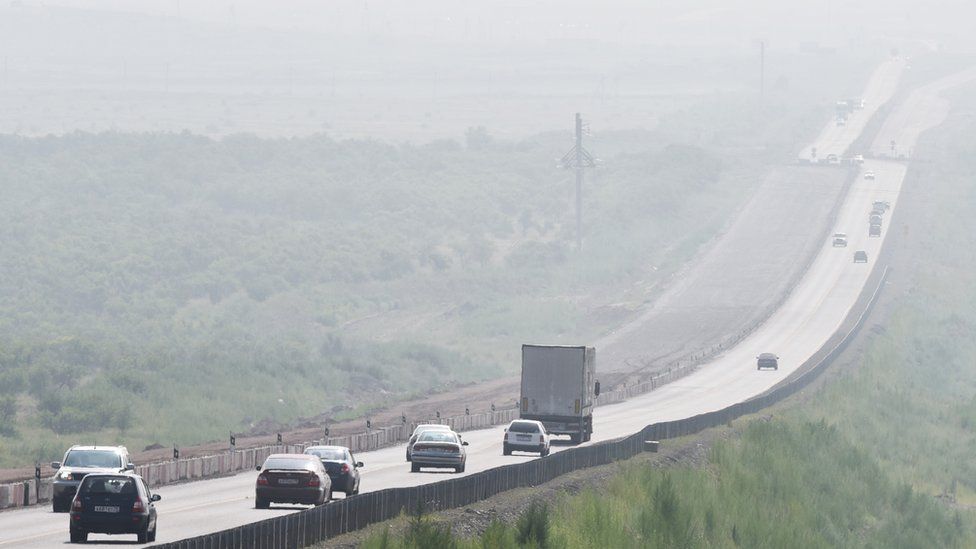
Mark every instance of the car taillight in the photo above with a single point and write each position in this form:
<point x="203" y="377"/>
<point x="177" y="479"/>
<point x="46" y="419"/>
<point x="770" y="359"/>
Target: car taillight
<point x="138" y="506"/>
<point x="313" y="480"/>
<point x="345" y="468"/>
<point x="76" y="505"/>
<point x="262" y="480"/>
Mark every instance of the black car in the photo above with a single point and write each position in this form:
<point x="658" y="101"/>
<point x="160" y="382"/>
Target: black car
<point x="292" y="478"/>
<point x="113" y="504"/>
<point x="767" y="360"/>
<point x="343" y="469"/>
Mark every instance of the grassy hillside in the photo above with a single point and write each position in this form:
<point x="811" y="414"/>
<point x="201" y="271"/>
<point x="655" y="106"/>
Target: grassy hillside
<point x="880" y="456"/>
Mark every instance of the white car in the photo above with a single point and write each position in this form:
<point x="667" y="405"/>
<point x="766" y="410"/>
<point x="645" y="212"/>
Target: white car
<point x="525" y="435"/>
<point x="868" y="175"/>
<point x="840" y="240"/>
<point x="420" y="430"/>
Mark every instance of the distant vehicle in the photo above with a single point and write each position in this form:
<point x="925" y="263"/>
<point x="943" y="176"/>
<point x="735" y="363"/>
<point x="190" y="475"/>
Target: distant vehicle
<point x="840" y="240"/>
<point x="882" y="205"/>
<point x="343" y="469"/>
<point x="420" y="429"/>
<point x="859" y="159"/>
<point x="118" y="503"/>
<point x="869" y="175"/>
<point x="767" y="360"/>
<point x="439" y="449"/>
<point x="874" y="230"/>
<point x="292" y="478"/>
<point x="877" y="212"/>
<point x="833" y="159"/>
<point x="860" y="256"/>
<point x="525" y="435"/>
<point x="841" y="121"/>
<point x="559" y="389"/>
<point x="79" y="461"/>
<point x="874" y="219"/>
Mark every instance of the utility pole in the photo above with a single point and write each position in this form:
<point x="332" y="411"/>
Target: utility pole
<point x="578" y="159"/>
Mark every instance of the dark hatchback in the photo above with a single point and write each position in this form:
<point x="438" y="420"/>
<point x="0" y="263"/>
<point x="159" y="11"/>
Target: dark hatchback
<point x="113" y="504"/>
<point x="292" y="478"/>
<point x="343" y="469"/>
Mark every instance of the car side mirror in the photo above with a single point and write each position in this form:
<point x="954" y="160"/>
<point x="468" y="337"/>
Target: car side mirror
<point x="257" y="468"/>
<point x="596" y="389"/>
<point x="464" y="444"/>
<point x="156" y="497"/>
<point x="55" y="465"/>
<point x="129" y="466"/>
<point x="359" y="464"/>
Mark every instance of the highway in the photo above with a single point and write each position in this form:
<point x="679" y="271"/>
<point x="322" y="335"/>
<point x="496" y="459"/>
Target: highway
<point x="834" y="139"/>
<point x="807" y="319"/>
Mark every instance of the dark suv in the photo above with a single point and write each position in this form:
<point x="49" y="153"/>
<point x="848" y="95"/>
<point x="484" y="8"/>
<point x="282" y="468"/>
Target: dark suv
<point x="80" y="461"/>
<point x="113" y="504"/>
<point x="767" y="360"/>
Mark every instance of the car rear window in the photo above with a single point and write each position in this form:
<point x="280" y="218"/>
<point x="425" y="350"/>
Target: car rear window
<point x="523" y="427"/>
<point x="93" y="458"/>
<point x="328" y="454"/>
<point x="437" y="436"/>
<point x="108" y="485"/>
<point x="287" y="463"/>
<point x="431" y="427"/>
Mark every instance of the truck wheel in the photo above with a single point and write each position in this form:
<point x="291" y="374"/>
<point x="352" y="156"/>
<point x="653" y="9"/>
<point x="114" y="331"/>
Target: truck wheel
<point x="59" y="505"/>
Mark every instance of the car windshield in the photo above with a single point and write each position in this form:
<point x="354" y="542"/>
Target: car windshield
<point x="287" y="463"/>
<point x="108" y="485"/>
<point x="328" y="454"/>
<point x="437" y="436"/>
<point x="523" y="427"/>
<point x="93" y="458"/>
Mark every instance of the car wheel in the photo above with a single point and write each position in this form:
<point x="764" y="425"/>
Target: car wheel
<point x="152" y="534"/>
<point x="261" y="503"/>
<point x="59" y="506"/>
<point x="506" y="450"/>
<point x="355" y="491"/>
<point x="78" y="537"/>
<point x="143" y="536"/>
<point x="408" y="455"/>
<point x="414" y="468"/>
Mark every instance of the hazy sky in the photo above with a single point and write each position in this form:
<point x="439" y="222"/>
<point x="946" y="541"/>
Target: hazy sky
<point x="301" y="65"/>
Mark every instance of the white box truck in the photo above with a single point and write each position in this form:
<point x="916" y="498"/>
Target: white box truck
<point x="559" y="388"/>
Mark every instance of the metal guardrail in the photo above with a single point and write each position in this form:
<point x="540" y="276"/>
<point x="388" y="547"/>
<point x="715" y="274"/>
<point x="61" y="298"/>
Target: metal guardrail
<point x="322" y="523"/>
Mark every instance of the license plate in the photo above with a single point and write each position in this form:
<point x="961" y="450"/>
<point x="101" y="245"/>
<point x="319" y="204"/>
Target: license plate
<point x="106" y="508"/>
<point x="287" y="481"/>
<point x="524" y="437"/>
